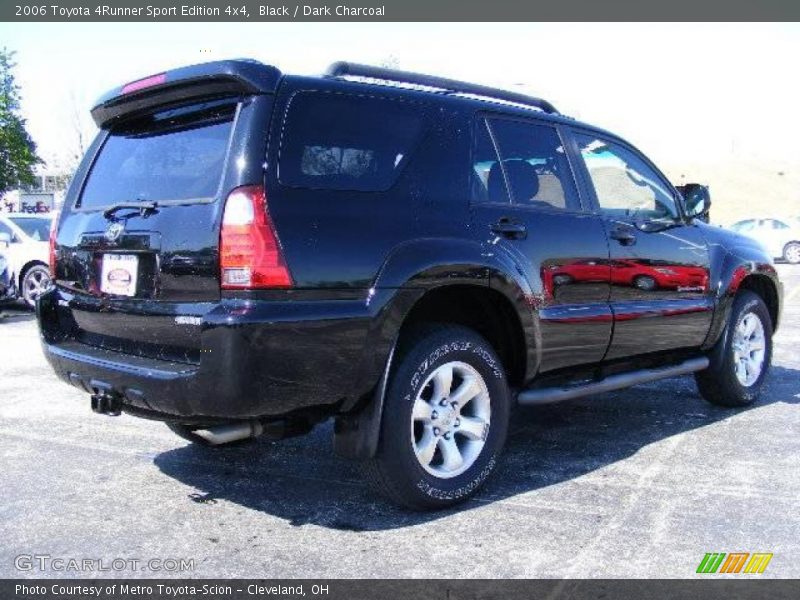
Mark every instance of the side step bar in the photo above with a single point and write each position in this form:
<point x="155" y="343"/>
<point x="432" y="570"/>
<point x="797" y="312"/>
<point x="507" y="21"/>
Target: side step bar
<point x="613" y="382"/>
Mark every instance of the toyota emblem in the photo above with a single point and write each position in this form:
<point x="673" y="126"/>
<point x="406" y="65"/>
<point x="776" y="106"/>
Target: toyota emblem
<point x="114" y="231"/>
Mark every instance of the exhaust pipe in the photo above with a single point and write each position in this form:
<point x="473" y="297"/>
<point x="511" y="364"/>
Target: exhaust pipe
<point x="231" y="432"/>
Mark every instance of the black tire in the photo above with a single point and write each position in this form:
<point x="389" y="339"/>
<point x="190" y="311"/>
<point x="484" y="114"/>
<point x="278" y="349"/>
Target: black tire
<point x="562" y="279"/>
<point x="395" y="471"/>
<point x="791" y="253"/>
<point x="718" y="383"/>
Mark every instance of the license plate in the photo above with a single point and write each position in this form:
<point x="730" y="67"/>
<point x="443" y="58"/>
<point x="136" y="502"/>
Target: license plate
<point x="119" y="273"/>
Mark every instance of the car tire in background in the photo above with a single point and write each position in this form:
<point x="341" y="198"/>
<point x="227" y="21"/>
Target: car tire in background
<point x="645" y="283"/>
<point x="741" y="358"/>
<point x="445" y="419"/>
<point x="35" y="280"/>
<point x="791" y="253"/>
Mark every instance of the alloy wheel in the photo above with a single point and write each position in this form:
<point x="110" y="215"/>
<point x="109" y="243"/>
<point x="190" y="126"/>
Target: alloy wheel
<point x="34" y="284"/>
<point x="749" y="349"/>
<point x="792" y="253"/>
<point x="450" y="419"/>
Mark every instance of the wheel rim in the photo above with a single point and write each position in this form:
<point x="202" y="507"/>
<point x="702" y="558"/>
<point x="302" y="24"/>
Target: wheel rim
<point x="793" y="253"/>
<point x="37" y="280"/>
<point x="645" y="283"/>
<point x="749" y="349"/>
<point x="450" y="420"/>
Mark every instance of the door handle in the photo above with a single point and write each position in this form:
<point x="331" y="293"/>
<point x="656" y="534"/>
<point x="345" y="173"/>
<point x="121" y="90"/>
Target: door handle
<point x="624" y="235"/>
<point x="509" y="228"/>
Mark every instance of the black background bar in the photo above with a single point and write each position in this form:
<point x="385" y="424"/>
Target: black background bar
<point x="401" y="10"/>
<point x="711" y="587"/>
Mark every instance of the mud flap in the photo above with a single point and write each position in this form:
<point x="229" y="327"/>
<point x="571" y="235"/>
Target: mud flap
<point x="356" y="436"/>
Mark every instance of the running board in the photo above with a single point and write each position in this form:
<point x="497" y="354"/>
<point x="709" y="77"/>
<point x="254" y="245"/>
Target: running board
<point x="613" y="382"/>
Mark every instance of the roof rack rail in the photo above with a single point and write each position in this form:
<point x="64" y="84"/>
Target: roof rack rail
<point x="453" y="86"/>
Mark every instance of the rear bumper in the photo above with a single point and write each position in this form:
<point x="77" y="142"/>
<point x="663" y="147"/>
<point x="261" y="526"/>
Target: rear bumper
<point x="257" y="359"/>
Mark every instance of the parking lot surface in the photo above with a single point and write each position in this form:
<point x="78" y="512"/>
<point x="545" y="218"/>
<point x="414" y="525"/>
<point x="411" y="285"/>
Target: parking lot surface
<point x="637" y="483"/>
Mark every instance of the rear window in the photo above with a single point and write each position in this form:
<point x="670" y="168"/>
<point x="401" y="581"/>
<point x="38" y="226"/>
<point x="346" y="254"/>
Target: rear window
<point x="345" y="142"/>
<point x="173" y="155"/>
<point x="36" y="228"/>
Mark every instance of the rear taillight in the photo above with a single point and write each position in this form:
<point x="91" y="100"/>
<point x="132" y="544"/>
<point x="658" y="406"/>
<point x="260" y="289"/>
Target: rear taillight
<point x="250" y="254"/>
<point x="53" y="229"/>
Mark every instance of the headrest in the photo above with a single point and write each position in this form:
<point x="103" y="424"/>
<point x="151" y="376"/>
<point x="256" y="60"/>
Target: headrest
<point x="522" y="179"/>
<point x="496" y="184"/>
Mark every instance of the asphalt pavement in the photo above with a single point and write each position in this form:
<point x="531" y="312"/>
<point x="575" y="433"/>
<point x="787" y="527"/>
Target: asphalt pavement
<point x="637" y="483"/>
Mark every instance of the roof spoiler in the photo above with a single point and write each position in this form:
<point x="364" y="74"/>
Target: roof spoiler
<point x="220" y="78"/>
<point x="452" y="86"/>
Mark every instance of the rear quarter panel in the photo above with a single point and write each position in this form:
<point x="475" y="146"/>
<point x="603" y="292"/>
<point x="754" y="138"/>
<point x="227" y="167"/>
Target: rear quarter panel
<point x="379" y="250"/>
<point x="338" y="239"/>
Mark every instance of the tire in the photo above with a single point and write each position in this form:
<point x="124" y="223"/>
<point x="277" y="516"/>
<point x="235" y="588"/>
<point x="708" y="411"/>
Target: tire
<point x="645" y="282"/>
<point x="35" y="281"/>
<point x="562" y="280"/>
<point x="791" y="253"/>
<point x="722" y="383"/>
<point x="475" y="427"/>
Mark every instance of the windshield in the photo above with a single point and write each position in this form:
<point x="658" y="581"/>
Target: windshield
<point x="36" y="228"/>
<point x="174" y="155"/>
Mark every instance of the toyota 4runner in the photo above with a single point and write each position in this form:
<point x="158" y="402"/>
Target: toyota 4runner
<point x="244" y="253"/>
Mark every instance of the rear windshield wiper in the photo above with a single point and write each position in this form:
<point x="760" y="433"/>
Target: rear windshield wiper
<point x="144" y="208"/>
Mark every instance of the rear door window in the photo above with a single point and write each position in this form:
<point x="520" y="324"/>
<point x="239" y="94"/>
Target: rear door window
<point x="487" y="180"/>
<point x="7" y="230"/>
<point x="775" y="224"/>
<point x="36" y="228"/>
<point x="174" y="155"/>
<point x="347" y="142"/>
<point x="536" y="167"/>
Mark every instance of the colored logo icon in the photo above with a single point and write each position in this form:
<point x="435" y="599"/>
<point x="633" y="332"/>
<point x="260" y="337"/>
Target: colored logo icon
<point x="734" y="562"/>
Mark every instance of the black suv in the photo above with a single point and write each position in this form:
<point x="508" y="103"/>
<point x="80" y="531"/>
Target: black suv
<point x="247" y="253"/>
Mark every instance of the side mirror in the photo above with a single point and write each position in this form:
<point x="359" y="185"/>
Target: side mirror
<point x="5" y="239"/>
<point x="696" y="200"/>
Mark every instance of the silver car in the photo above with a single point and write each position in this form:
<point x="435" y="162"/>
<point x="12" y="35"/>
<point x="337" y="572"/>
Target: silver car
<point x="7" y="287"/>
<point x="780" y="236"/>
<point x="24" y="240"/>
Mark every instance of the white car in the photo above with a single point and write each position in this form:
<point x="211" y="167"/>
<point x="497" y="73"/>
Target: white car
<point x="7" y="286"/>
<point x="24" y="240"/>
<point x="780" y="236"/>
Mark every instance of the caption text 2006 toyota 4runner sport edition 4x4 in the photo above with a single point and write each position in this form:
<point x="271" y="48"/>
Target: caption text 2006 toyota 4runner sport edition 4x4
<point x="247" y="253"/>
